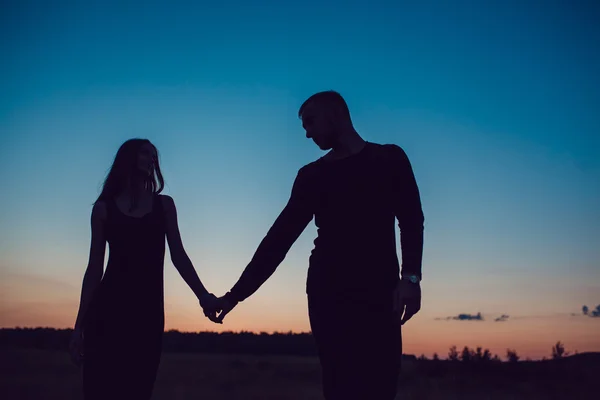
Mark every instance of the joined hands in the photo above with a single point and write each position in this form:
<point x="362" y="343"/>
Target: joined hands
<point x="216" y="308"/>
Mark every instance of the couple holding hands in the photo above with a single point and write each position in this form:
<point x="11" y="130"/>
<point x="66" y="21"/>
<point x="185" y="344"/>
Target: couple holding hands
<point x="358" y="295"/>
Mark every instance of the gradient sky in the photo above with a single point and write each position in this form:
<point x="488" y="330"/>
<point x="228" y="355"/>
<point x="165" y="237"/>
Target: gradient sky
<point x="496" y="104"/>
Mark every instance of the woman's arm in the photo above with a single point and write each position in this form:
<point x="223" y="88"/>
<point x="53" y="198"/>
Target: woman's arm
<point x="95" y="267"/>
<point x="179" y="257"/>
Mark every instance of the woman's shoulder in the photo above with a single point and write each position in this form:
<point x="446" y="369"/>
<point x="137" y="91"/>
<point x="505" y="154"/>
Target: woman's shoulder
<point x="166" y="201"/>
<point x="100" y="210"/>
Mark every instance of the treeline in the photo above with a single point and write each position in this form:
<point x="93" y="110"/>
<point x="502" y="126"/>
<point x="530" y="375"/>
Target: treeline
<point x="297" y="344"/>
<point x="300" y="344"/>
<point x="479" y="355"/>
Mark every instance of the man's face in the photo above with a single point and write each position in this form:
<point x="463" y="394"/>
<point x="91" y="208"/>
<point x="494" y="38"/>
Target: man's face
<point x="319" y="126"/>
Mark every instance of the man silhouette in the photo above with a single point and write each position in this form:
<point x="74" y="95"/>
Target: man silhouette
<point x="357" y="297"/>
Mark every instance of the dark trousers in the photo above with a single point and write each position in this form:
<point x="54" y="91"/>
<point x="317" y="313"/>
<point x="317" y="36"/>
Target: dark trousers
<point x="359" y="344"/>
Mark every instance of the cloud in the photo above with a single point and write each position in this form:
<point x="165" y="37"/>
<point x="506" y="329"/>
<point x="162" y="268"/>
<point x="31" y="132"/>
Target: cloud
<point x="585" y="311"/>
<point x="592" y="314"/>
<point x="464" y="317"/>
<point x="501" y="318"/>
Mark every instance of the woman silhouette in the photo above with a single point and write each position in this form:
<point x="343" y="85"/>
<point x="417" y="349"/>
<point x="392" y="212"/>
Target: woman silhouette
<point x="119" y="327"/>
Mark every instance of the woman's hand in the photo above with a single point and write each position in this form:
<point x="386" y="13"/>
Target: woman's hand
<point x="210" y="305"/>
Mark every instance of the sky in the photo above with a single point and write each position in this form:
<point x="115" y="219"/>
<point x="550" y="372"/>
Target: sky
<point x="494" y="102"/>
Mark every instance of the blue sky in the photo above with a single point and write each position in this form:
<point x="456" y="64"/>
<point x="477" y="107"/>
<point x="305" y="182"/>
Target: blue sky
<point x="494" y="102"/>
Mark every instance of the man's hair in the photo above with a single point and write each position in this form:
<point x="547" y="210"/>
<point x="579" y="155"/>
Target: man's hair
<point x="328" y="98"/>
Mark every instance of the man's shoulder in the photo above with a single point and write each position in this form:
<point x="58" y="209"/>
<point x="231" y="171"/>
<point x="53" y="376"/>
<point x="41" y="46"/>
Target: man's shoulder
<point x="310" y="168"/>
<point x="388" y="147"/>
<point x="308" y="173"/>
<point x="389" y="151"/>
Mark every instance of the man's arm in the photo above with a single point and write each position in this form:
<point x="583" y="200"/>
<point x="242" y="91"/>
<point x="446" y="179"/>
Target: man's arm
<point x="274" y="247"/>
<point x="408" y="211"/>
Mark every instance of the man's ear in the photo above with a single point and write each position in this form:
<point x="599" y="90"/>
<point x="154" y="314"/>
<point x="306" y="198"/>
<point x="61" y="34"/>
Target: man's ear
<point x="339" y="115"/>
<point x="333" y="116"/>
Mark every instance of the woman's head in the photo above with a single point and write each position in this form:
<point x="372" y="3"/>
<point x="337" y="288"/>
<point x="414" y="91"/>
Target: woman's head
<point x="135" y="167"/>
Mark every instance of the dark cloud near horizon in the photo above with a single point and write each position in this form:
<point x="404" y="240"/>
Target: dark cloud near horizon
<point x="464" y="317"/>
<point x="592" y="314"/>
<point x="585" y="312"/>
<point x="501" y="318"/>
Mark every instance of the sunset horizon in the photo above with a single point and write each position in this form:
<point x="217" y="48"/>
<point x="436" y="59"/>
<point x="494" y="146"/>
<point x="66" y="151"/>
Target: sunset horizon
<point x="578" y="332"/>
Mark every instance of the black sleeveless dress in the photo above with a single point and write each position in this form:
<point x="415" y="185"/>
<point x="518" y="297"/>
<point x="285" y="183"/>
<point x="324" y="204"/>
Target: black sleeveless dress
<point x="124" y="325"/>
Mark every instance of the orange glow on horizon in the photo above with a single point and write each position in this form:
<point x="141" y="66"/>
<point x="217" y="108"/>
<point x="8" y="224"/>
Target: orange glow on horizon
<point x="531" y="338"/>
<point x="39" y="301"/>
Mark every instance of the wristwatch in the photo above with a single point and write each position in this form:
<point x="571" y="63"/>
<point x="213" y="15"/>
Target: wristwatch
<point x="411" y="278"/>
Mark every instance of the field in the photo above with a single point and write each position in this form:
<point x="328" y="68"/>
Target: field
<point x="49" y="375"/>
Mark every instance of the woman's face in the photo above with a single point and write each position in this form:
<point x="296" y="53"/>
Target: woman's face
<point x="146" y="158"/>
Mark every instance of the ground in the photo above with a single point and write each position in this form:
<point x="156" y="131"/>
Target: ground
<point x="49" y="375"/>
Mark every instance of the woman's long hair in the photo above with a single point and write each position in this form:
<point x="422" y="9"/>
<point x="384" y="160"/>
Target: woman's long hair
<point x="124" y="172"/>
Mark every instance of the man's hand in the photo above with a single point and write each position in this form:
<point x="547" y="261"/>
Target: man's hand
<point x="407" y="300"/>
<point x="226" y="304"/>
<point x="210" y="305"/>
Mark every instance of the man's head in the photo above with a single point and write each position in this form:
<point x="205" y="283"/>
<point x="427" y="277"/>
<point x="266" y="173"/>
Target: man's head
<point x="325" y="117"/>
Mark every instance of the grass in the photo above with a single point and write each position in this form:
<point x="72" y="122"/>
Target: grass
<point x="49" y="375"/>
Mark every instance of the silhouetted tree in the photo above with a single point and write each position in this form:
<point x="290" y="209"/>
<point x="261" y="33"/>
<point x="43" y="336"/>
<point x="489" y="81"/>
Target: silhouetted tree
<point x="435" y="357"/>
<point x="496" y="358"/>
<point x="512" y="356"/>
<point x="422" y="357"/>
<point x="467" y="355"/>
<point x="453" y="354"/>
<point x="486" y="356"/>
<point x="558" y="351"/>
<point x="478" y="354"/>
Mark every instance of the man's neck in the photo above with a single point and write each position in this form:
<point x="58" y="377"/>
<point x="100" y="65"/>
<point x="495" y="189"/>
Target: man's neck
<point x="350" y="143"/>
